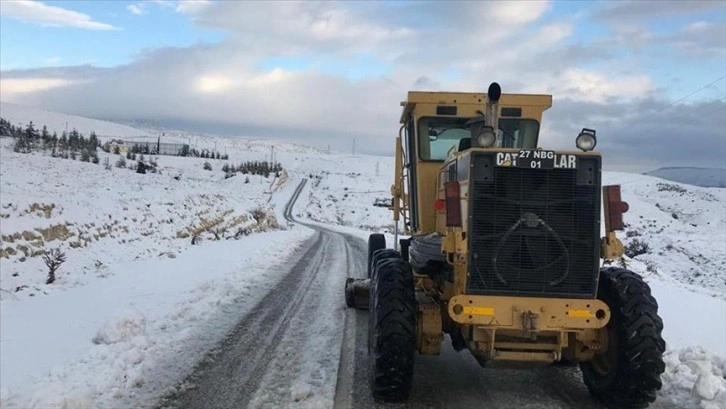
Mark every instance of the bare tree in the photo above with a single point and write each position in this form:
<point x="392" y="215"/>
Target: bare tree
<point x="53" y="259"/>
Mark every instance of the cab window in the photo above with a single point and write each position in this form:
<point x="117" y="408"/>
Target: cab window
<point x="437" y="136"/>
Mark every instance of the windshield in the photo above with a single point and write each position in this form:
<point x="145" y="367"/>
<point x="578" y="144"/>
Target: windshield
<point x="439" y="135"/>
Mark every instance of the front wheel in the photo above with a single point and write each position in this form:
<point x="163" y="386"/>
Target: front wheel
<point x="627" y="374"/>
<point x="376" y="242"/>
<point x="392" y="326"/>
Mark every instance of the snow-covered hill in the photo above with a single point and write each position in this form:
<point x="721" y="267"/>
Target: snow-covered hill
<point x="136" y="304"/>
<point x="704" y="177"/>
<point x="56" y="122"/>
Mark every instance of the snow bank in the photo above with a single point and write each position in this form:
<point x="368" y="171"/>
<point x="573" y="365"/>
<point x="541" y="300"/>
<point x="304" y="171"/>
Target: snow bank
<point x="121" y="341"/>
<point x="122" y="328"/>
<point x="694" y="378"/>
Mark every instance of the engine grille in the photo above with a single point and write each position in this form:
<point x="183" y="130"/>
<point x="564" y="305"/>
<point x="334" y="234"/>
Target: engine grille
<point x="511" y="252"/>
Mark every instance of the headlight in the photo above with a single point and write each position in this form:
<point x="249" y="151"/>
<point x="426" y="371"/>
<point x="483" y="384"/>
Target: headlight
<point x="586" y="140"/>
<point x="486" y="138"/>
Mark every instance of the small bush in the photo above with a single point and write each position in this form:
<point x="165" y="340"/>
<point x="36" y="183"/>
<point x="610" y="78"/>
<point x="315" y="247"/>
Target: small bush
<point x="53" y="259"/>
<point x="121" y="162"/>
<point x="668" y="187"/>
<point x="636" y="248"/>
<point x="207" y="166"/>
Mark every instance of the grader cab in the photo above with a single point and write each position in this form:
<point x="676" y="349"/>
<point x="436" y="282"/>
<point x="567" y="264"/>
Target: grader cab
<point x="501" y="249"/>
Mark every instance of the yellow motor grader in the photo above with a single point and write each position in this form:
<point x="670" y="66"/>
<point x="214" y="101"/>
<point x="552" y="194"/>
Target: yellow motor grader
<point x="501" y="250"/>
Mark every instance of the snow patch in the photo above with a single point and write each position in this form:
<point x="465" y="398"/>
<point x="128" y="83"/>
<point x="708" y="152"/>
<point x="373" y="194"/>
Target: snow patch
<point x="123" y="328"/>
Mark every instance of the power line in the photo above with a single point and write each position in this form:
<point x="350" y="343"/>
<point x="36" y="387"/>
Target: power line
<point x="683" y="98"/>
<point x="701" y="114"/>
<point x="696" y="91"/>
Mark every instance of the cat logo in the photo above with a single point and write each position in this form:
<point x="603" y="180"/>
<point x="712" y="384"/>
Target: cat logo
<point x="506" y="159"/>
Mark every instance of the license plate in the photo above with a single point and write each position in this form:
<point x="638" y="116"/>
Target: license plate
<point x="536" y="159"/>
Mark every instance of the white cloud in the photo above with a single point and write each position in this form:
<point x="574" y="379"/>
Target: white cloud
<point x="518" y="12"/>
<point x="212" y="84"/>
<point x="13" y="88"/>
<point x="592" y="86"/>
<point x="37" y="12"/>
<point x="137" y="9"/>
<point x="192" y="6"/>
<point x="232" y="84"/>
<point x="163" y="3"/>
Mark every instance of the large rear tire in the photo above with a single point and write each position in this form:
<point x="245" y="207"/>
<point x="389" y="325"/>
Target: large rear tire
<point x="376" y="242"/>
<point x="392" y="330"/>
<point x="627" y="374"/>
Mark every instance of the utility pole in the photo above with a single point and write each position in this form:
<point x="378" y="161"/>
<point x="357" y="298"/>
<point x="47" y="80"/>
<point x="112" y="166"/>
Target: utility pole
<point x="272" y="154"/>
<point x="353" y="146"/>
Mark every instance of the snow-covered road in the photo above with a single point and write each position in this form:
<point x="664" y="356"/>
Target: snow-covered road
<point x="454" y="380"/>
<point x="286" y="351"/>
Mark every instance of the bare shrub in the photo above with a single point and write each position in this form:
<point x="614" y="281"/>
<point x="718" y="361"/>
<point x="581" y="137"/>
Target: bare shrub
<point x="636" y="248"/>
<point x="53" y="259"/>
<point x="669" y="187"/>
<point x="632" y="233"/>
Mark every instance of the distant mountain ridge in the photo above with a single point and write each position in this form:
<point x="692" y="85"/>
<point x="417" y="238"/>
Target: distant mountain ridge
<point x="703" y="177"/>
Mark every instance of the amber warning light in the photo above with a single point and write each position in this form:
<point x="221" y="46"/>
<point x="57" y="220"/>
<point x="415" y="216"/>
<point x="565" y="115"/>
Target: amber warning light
<point x="453" y="204"/>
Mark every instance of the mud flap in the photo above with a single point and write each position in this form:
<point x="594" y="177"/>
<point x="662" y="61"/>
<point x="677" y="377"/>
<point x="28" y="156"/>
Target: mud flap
<point x="357" y="292"/>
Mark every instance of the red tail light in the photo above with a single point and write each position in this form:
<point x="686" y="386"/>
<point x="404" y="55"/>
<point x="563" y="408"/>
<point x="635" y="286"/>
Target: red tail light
<point x="453" y="204"/>
<point x="439" y="204"/>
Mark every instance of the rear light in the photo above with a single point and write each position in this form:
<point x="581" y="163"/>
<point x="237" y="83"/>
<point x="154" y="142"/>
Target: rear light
<point x="453" y="204"/>
<point x="439" y="204"/>
<point x="614" y="208"/>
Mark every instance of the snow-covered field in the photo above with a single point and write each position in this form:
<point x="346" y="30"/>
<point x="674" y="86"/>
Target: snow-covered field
<point x="136" y="304"/>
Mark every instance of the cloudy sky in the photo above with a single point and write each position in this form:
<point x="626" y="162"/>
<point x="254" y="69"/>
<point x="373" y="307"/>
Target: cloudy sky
<point x="649" y="76"/>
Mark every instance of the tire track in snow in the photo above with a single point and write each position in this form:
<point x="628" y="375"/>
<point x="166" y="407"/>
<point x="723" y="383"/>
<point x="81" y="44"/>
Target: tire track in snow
<point x="286" y="350"/>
